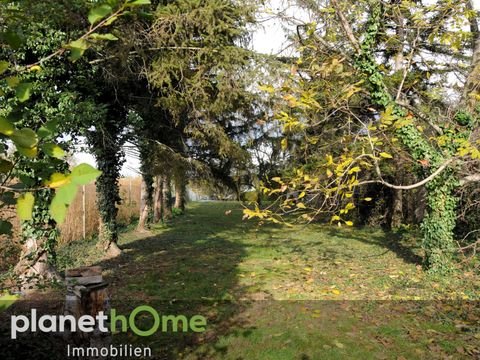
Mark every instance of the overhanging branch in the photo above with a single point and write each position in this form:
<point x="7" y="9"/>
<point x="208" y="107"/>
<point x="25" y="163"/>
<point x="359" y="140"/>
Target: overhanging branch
<point x="412" y="186"/>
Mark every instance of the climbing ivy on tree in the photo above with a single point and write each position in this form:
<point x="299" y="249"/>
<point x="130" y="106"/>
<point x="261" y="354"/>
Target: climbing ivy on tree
<point x="341" y="123"/>
<point x="438" y="225"/>
<point x="34" y="64"/>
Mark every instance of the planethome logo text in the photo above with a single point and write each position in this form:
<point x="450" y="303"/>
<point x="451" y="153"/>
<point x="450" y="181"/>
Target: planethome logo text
<point x="113" y="323"/>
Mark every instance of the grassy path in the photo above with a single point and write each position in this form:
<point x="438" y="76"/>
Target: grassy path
<point x="289" y="293"/>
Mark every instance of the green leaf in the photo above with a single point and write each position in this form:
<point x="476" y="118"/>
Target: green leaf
<point x="111" y="20"/>
<point x="12" y="81"/>
<point x="12" y="38"/>
<point x="43" y="132"/>
<point x="25" y="138"/>
<point x="77" y="48"/>
<point x="63" y="198"/>
<point x="22" y="91"/>
<point x="53" y="150"/>
<point x="97" y="36"/>
<point x="28" y="152"/>
<point x="4" y="65"/>
<point x="386" y="155"/>
<point x="15" y="115"/>
<point x="5" y="166"/>
<point x="84" y="174"/>
<point x="98" y="13"/>
<point x="8" y="198"/>
<point x="137" y="3"/>
<point x="6" y="127"/>
<point x="66" y="194"/>
<point x="25" y="204"/>
<point x="5" y="227"/>
<point x="58" y="210"/>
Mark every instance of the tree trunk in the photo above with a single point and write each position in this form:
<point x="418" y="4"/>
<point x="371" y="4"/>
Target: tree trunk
<point x="108" y="238"/>
<point x="439" y="223"/>
<point x="421" y="204"/>
<point x="180" y="187"/>
<point x="39" y="240"/>
<point x="33" y="267"/>
<point x="166" y="198"/>
<point x="471" y="87"/>
<point x="158" y="199"/>
<point x="144" y="208"/>
<point x="396" y="210"/>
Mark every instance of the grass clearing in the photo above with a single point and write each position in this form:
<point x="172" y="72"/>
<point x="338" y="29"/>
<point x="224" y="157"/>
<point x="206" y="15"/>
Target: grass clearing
<point x="274" y="292"/>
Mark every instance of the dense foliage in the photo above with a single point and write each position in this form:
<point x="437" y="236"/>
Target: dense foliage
<point x="371" y="121"/>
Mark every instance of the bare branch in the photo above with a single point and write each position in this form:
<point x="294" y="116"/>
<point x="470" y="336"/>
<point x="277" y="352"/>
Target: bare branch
<point x="407" y="68"/>
<point x="346" y="27"/>
<point x="413" y="186"/>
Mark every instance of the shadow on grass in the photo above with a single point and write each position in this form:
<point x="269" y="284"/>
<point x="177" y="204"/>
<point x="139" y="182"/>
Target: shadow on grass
<point x="189" y="268"/>
<point x="391" y="241"/>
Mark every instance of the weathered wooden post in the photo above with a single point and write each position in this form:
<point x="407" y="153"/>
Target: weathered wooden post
<point x="87" y="295"/>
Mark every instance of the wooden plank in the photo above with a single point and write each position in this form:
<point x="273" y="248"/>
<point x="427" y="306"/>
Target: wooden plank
<point x="84" y="271"/>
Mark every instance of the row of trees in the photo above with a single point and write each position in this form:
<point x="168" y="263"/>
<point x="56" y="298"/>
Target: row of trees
<point x="369" y="82"/>
<point x="166" y="76"/>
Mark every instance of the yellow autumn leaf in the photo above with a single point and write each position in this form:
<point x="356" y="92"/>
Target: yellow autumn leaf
<point x="57" y="180"/>
<point x="355" y="169"/>
<point x="35" y="68"/>
<point x="268" y="88"/>
<point x="329" y="159"/>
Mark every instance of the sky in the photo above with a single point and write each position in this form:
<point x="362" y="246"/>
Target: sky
<point x="268" y="38"/>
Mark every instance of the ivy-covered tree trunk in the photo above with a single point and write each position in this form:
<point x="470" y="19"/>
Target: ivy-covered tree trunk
<point x="107" y="143"/>
<point x="439" y="222"/>
<point x="107" y="190"/>
<point x="39" y="239"/>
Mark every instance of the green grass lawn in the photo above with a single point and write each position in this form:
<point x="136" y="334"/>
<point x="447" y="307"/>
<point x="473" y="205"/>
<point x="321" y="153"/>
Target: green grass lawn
<point x="277" y="292"/>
